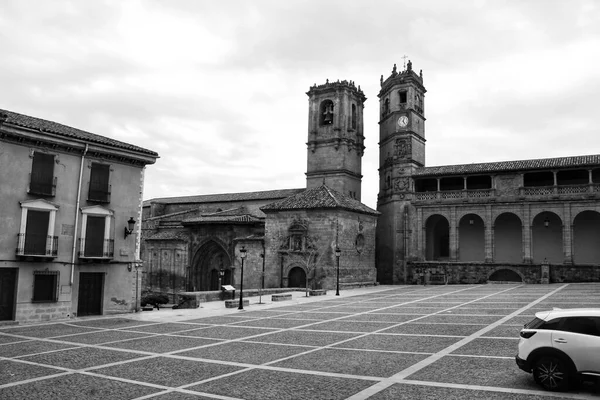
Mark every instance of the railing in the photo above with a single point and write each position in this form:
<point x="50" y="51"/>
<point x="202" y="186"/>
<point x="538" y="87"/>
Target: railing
<point x="104" y="249"/>
<point x="567" y="190"/>
<point x="454" y="194"/>
<point x="40" y="187"/>
<point x="36" y="245"/>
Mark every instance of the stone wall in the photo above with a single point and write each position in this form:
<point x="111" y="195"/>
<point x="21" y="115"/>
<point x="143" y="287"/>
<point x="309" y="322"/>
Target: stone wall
<point x="489" y="272"/>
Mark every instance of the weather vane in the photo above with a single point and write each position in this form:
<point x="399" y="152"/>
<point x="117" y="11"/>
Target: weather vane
<point x="404" y="57"/>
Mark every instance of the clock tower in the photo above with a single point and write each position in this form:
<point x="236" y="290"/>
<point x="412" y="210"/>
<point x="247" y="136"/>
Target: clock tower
<point x="335" y="137"/>
<point x="401" y="152"/>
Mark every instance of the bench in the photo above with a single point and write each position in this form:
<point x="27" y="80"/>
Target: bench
<point x="437" y="279"/>
<point x="281" y="297"/>
<point x="236" y="303"/>
<point x="318" y="292"/>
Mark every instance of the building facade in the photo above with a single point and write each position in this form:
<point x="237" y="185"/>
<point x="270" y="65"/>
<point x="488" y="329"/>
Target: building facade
<point x="529" y="221"/>
<point x="67" y="196"/>
<point x="290" y="236"/>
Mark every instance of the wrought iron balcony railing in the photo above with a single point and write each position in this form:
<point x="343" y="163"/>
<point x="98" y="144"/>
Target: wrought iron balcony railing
<point x="36" y="245"/>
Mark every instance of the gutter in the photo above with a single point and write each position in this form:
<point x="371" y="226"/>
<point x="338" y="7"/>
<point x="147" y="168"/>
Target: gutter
<point x="74" y="252"/>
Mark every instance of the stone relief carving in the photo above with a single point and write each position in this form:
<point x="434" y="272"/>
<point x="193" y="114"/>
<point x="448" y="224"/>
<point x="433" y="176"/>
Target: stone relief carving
<point x="401" y="185"/>
<point x="403" y="148"/>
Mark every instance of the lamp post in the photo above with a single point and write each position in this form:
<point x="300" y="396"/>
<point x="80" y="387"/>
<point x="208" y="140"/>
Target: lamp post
<point x="221" y="275"/>
<point x="338" y="253"/>
<point x="243" y="257"/>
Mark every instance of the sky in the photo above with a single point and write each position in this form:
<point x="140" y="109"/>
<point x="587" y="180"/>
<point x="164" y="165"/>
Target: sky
<point x="218" y="88"/>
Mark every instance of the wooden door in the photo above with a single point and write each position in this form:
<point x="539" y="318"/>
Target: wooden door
<point x="91" y="285"/>
<point x="8" y="280"/>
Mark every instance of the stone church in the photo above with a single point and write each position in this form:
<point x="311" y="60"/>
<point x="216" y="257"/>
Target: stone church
<point x="532" y="221"/>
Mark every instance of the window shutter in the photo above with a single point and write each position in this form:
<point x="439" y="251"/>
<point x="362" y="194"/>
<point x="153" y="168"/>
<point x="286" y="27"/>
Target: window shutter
<point x="99" y="188"/>
<point x="42" y="174"/>
<point x="36" y="232"/>
<point x="94" y="237"/>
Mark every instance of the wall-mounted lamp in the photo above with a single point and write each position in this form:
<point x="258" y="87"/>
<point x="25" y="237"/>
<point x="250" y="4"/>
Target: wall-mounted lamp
<point x="129" y="228"/>
<point x="546" y="222"/>
<point x="471" y="222"/>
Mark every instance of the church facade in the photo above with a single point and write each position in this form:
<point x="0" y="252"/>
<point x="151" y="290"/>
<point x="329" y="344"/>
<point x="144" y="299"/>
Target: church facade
<point x="530" y="221"/>
<point x="315" y="237"/>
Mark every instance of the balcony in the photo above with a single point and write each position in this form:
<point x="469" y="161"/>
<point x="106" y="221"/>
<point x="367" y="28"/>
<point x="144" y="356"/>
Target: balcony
<point x="36" y="245"/>
<point x="96" y="249"/>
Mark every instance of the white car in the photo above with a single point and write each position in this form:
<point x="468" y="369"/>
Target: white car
<point x="561" y="346"/>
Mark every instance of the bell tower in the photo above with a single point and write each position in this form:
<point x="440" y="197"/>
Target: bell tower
<point x="335" y="137"/>
<point x="401" y="152"/>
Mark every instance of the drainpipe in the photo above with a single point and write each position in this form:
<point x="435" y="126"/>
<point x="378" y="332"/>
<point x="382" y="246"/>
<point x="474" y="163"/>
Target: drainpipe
<point x="77" y="215"/>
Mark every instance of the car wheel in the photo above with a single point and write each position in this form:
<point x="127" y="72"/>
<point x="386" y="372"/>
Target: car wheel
<point x="552" y="373"/>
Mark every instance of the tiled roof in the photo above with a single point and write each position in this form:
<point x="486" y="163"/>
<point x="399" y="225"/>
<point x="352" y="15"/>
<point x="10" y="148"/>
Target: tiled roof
<point x="508" y="166"/>
<point x="320" y="197"/>
<point x="218" y="219"/>
<point x="43" y="125"/>
<point x="169" y="235"/>
<point x="234" y="215"/>
<point x="224" y="197"/>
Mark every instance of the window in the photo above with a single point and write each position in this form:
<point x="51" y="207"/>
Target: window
<point x="583" y="325"/>
<point x="45" y="286"/>
<point x="99" y="190"/>
<point x="326" y="111"/>
<point x="353" y="123"/>
<point x="36" y="234"/>
<point x="96" y="233"/>
<point x="41" y="179"/>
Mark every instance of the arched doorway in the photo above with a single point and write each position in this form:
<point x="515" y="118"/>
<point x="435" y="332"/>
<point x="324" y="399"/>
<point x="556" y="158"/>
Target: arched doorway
<point x="505" y="275"/>
<point x="471" y="235"/>
<point x="508" y="242"/>
<point x="546" y="238"/>
<point x="297" y="277"/>
<point x="437" y="238"/>
<point x="586" y="238"/>
<point x="204" y="273"/>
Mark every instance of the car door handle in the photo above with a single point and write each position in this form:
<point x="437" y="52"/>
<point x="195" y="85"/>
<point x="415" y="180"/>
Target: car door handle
<point x="560" y="340"/>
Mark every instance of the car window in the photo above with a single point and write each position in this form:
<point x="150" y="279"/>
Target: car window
<point x="554" y="324"/>
<point x="583" y="325"/>
<point x="534" y="323"/>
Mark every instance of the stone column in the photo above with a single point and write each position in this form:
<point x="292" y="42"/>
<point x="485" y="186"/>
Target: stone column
<point x="453" y="239"/>
<point x="526" y="236"/>
<point x="420" y="255"/>
<point x="489" y="235"/>
<point x="567" y="235"/>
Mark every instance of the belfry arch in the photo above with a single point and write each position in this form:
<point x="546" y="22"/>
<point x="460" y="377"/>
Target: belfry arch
<point x="208" y="260"/>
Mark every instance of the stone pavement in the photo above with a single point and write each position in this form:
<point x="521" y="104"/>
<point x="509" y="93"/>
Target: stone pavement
<point x="386" y="342"/>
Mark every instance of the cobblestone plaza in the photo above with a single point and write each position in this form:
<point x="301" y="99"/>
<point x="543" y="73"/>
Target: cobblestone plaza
<point x="401" y="342"/>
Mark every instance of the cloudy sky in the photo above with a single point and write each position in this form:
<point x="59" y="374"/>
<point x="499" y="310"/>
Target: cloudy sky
<point x="217" y="87"/>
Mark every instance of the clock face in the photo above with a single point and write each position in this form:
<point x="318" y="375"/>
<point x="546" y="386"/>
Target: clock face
<point x="403" y="121"/>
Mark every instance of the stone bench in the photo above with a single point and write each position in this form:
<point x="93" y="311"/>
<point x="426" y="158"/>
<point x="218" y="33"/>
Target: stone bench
<point x="281" y="297"/>
<point x="318" y="292"/>
<point x="236" y="303"/>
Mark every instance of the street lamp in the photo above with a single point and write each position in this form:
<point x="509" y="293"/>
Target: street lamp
<point x="338" y="253"/>
<point x="243" y="257"/>
<point x="221" y="275"/>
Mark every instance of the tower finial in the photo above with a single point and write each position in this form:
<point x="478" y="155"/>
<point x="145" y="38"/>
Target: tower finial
<point x="404" y="57"/>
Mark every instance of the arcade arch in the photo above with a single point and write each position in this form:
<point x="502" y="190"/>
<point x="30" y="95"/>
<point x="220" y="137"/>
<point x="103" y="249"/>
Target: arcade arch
<point x="508" y="242"/>
<point x="547" y="238"/>
<point x="586" y="238"/>
<point x="437" y="238"/>
<point x="471" y="234"/>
